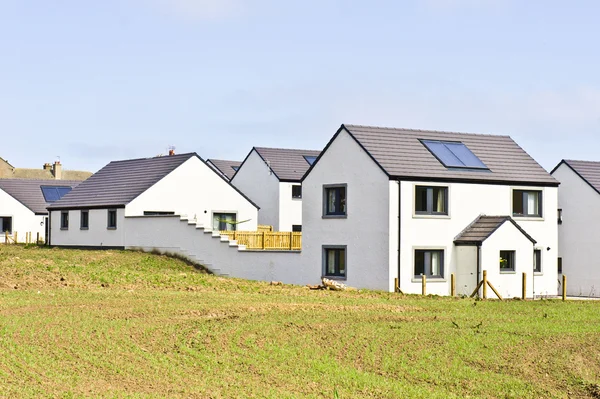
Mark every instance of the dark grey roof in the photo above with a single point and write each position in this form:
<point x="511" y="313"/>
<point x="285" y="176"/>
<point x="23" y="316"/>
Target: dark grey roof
<point x="589" y="171"/>
<point x="483" y="227"/>
<point x="29" y="192"/>
<point x="287" y="164"/>
<point x="225" y="167"/>
<point x="119" y="182"/>
<point x="401" y="155"/>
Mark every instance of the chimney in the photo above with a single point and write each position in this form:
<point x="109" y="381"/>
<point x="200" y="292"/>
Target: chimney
<point x="48" y="166"/>
<point x="57" y="170"/>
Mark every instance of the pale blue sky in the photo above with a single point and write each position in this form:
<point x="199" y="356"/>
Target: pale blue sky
<point x="95" y="81"/>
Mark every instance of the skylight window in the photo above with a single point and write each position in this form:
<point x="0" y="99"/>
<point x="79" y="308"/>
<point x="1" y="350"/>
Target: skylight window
<point x="453" y="154"/>
<point x="310" y="159"/>
<point x="54" y="193"/>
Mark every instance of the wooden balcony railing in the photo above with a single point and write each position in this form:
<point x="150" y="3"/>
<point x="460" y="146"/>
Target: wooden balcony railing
<point x="272" y="240"/>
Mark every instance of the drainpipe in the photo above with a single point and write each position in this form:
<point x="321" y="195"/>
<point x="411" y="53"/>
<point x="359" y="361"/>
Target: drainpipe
<point x="399" y="230"/>
<point x="478" y="266"/>
<point x="49" y="228"/>
<point x="533" y="274"/>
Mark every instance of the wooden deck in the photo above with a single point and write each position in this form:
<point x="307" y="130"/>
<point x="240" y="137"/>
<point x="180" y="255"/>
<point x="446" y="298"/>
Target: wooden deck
<point x="267" y="240"/>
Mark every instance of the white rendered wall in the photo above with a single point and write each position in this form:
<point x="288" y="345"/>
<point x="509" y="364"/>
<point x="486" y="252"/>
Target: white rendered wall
<point x="97" y="235"/>
<point x="579" y="235"/>
<point x="508" y="284"/>
<point x="195" y="190"/>
<point x="255" y="179"/>
<point x="23" y="219"/>
<point x="171" y="235"/>
<point x="466" y="202"/>
<point x="290" y="209"/>
<point x="365" y="230"/>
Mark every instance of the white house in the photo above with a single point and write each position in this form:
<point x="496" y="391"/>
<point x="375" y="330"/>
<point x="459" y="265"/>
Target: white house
<point x="97" y="213"/>
<point x="23" y="205"/>
<point x="271" y="177"/>
<point x="381" y="204"/>
<point x="226" y="168"/>
<point x="579" y="225"/>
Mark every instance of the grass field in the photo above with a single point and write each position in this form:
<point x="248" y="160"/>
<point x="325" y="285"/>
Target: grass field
<point x="126" y="324"/>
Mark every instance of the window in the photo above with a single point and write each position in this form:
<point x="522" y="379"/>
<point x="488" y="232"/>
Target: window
<point x="559" y="265"/>
<point x="296" y="191"/>
<point x="537" y="260"/>
<point x="310" y="159"/>
<point x="112" y="219"/>
<point x="560" y="219"/>
<point x="335" y="200"/>
<point x="507" y="261"/>
<point x="64" y="220"/>
<point x="429" y="263"/>
<point x="527" y="203"/>
<point x="84" y="220"/>
<point x="54" y="193"/>
<point x="334" y="261"/>
<point x="297" y="228"/>
<point x="454" y="154"/>
<point x="6" y="224"/>
<point x="431" y="200"/>
<point x="224" y="221"/>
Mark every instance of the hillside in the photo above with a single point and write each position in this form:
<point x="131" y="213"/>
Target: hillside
<point x="125" y="324"/>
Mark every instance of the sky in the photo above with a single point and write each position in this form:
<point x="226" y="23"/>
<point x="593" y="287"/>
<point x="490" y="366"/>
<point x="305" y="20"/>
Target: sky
<point x="88" y="82"/>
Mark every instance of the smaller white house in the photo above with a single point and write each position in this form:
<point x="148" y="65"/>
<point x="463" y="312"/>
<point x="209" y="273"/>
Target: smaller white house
<point x="98" y="212"/>
<point x="23" y="205"/>
<point x="381" y="204"/>
<point x="226" y="168"/>
<point x="271" y="177"/>
<point x="579" y="221"/>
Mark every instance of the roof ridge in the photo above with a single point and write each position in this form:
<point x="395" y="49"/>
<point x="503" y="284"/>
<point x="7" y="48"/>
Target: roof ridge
<point x="154" y="157"/>
<point x="580" y="160"/>
<point x="284" y="149"/>
<point x="426" y="130"/>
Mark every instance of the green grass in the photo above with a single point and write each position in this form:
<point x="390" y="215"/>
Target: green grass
<point x="125" y="324"/>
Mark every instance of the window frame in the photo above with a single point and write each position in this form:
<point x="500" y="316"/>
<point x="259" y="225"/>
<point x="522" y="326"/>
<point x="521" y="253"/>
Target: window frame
<point x="427" y="268"/>
<point x="429" y="198"/>
<point x="511" y="260"/>
<point x="525" y="213"/>
<point x="335" y="215"/>
<point x="233" y="225"/>
<point x="10" y="231"/>
<point x="87" y="225"/>
<point x="537" y="261"/>
<point x="108" y="224"/>
<point x="337" y="248"/>
<point x="64" y="220"/>
<point x="297" y="187"/>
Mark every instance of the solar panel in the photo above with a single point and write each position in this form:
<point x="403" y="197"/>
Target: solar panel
<point x="52" y="193"/>
<point x="454" y="154"/>
<point x="310" y="159"/>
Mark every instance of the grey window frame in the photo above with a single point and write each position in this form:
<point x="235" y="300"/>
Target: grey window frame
<point x="337" y="276"/>
<point x="429" y="194"/>
<point x="87" y="225"/>
<point x="297" y="186"/>
<point x="537" y="261"/>
<point x="525" y="213"/>
<point x="427" y="265"/>
<point x="234" y="225"/>
<point x="336" y="215"/>
<point x="108" y="225"/>
<point x="64" y="220"/>
<point x="512" y="261"/>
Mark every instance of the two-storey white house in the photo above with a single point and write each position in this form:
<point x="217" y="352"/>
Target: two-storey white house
<point x="271" y="177"/>
<point x="98" y="212"/>
<point x="381" y="204"/>
<point x="579" y="221"/>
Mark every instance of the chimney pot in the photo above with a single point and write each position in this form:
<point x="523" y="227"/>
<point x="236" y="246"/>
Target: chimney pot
<point x="171" y="152"/>
<point x="57" y="170"/>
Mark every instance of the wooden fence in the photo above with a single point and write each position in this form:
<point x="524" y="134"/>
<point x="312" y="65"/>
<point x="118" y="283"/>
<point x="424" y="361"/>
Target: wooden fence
<point x="264" y="227"/>
<point x="14" y="238"/>
<point x="272" y="240"/>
